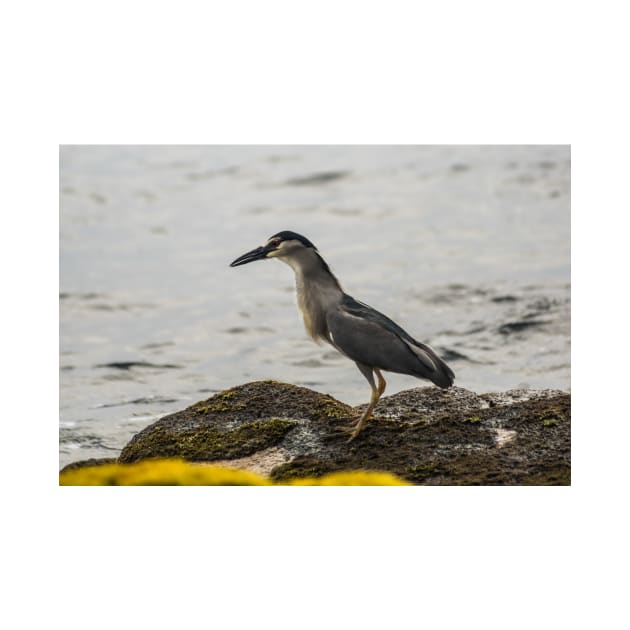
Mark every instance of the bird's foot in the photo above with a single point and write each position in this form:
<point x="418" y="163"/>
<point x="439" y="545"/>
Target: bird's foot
<point x="353" y="430"/>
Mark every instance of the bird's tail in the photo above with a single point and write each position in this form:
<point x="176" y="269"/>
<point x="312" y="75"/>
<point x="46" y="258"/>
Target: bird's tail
<point x="433" y="368"/>
<point x="443" y="377"/>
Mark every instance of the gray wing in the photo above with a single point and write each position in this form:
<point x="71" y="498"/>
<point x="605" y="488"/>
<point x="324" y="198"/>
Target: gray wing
<point x="369" y="337"/>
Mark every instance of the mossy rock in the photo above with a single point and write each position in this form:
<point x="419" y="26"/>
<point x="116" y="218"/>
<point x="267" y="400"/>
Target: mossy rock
<point x="234" y="423"/>
<point x="206" y="443"/>
<point x="424" y="436"/>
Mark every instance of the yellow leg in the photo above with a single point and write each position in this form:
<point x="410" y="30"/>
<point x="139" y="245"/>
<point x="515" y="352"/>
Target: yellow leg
<point x="381" y="382"/>
<point x="377" y="392"/>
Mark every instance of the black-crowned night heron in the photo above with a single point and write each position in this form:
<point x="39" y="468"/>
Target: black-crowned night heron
<point x="374" y="342"/>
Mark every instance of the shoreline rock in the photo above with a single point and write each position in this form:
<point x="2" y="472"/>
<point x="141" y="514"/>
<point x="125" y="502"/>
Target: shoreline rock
<point x="425" y="436"/>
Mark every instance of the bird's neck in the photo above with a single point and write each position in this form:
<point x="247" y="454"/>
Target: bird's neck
<point x="317" y="291"/>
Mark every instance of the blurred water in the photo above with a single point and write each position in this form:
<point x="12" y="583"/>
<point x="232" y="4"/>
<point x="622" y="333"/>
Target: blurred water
<point x="468" y="248"/>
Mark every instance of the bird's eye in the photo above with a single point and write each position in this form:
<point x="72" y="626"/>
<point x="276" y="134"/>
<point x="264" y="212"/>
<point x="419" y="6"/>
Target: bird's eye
<point x="275" y="243"/>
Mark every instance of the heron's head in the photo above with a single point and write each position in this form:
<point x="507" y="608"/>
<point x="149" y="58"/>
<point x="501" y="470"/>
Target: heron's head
<point x="287" y="246"/>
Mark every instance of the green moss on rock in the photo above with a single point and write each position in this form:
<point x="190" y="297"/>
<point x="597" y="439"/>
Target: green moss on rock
<point x="236" y="423"/>
<point x="221" y="402"/>
<point x="331" y="408"/>
<point x="473" y="419"/>
<point x="208" y="443"/>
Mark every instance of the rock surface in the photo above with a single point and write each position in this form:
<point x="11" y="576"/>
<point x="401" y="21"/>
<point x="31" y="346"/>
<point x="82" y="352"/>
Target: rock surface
<point x="424" y="435"/>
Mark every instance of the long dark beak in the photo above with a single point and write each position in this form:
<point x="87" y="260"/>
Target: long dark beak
<point x="256" y="254"/>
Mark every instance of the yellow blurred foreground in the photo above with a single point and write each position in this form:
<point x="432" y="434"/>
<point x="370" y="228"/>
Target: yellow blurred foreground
<point x="177" y="472"/>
